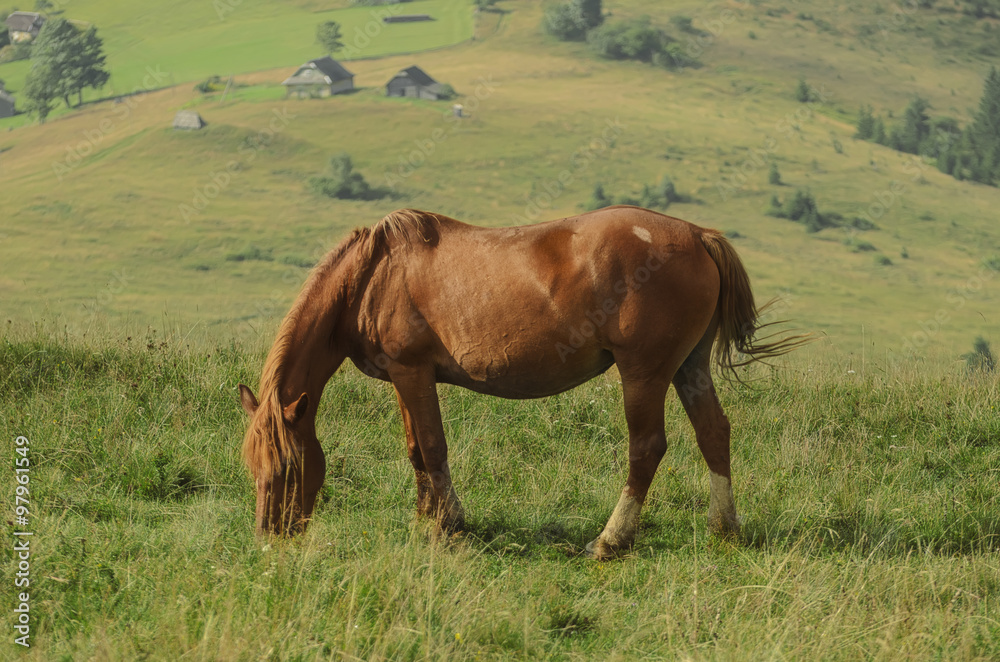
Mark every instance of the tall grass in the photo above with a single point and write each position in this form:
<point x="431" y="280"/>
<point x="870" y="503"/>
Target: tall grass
<point x="871" y="520"/>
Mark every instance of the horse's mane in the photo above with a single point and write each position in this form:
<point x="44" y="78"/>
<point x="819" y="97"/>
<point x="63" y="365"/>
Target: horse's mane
<point x="268" y="442"/>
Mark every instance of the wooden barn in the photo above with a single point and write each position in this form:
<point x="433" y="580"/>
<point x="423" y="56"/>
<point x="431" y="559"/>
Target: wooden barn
<point x="322" y="77"/>
<point x="6" y="103"/>
<point x="24" y="26"/>
<point x="414" y="82"/>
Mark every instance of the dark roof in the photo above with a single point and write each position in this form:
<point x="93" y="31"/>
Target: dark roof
<point x="417" y="75"/>
<point x="6" y="96"/>
<point x="331" y="68"/>
<point x="24" y="21"/>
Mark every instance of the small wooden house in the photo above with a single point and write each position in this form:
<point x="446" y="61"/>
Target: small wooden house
<point x="6" y="103"/>
<point x="188" y="119"/>
<point x="413" y="82"/>
<point x="322" y="77"/>
<point x="24" y="26"/>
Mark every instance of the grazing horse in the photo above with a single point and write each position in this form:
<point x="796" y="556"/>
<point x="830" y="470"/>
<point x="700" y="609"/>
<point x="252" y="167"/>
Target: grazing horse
<point x="518" y="312"/>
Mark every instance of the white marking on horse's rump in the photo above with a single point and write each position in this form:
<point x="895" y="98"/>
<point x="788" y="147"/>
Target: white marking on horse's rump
<point x="643" y="234"/>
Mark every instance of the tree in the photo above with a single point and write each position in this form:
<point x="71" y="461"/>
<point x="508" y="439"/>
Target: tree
<point x="803" y="92"/>
<point x="565" y="22"/>
<point x="773" y="176"/>
<point x="69" y="60"/>
<point x="90" y="63"/>
<point x="878" y="132"/>
<point x="916" y="128"/>
<point x="571" y="20"/>
<point x="985" y="132"/>
<point x="38" y="93"/>
<point x="598" y="199"/>
<point x="590" y="11"/>
<point x="328" y="36"/>
<point x="866" y="123"/>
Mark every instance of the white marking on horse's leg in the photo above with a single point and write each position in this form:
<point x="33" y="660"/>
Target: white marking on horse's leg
<point x="619" y="532"/>
<point x="721" y="507"/>
<point x="643" y="234"/>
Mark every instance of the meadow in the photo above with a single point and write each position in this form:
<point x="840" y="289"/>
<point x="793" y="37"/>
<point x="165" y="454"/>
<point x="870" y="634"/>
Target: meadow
<point x="99" y="232"/>
<point x="868" y="499"/>
<point x="146" y="270"/>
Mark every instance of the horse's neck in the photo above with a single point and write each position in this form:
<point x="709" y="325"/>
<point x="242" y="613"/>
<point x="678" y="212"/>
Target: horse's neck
<point x="313" y="353"/>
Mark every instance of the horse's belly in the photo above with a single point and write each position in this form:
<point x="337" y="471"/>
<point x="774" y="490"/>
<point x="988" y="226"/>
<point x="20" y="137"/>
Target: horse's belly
<point x="524" y="375"/>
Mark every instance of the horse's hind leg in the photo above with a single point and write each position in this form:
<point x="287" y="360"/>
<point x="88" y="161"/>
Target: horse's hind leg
<point x="647" y="444"/>
<point x="417" y="392"/>
<point x="426" y="503"/>
<point x="696" y="391"/>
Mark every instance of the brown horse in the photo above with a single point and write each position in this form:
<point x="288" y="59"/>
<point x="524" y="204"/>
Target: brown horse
<point x="520" y="312"/>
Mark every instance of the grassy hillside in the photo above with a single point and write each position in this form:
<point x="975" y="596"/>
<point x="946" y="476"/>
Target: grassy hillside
<point x="869" y="505"/>
<point x="97" y="231"/>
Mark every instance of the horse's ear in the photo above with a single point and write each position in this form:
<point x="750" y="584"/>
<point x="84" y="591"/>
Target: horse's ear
<point x="248" y="399"/>
<point x="295" y="411"/>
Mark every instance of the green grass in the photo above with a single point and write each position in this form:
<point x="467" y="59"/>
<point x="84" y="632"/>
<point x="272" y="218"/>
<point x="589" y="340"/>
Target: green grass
<point x="192" y="40"/>
<point x="116" y="215"/>
<point x="868" y="499"/>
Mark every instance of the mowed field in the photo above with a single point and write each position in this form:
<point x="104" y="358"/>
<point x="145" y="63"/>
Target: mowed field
<point x="146" y="271"/>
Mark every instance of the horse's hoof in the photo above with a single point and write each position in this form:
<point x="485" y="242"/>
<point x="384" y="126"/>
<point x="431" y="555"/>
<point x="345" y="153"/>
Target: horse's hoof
<point x="724" y="527"/>
<point x="598" y="550"/>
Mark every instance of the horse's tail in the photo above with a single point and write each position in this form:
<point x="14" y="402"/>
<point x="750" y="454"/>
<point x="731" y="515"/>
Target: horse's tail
<point x="739" y="317"/>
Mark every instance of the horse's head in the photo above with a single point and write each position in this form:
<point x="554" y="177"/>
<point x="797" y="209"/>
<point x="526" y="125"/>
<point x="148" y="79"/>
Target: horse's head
<point x="285" y="459"/>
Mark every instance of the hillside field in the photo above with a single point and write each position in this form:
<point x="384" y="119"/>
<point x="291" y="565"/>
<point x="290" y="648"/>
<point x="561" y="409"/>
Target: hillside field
<point x="145" y="271"/>
<point x="97" y="229"/>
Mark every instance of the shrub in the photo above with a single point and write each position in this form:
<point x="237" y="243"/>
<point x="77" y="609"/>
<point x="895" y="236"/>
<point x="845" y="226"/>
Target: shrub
<point x="212" y="84"/>
<point x="598" y="199"/>
<point x="883" y="260"/>
<point x="802" y="208"/>
<point x="571" y="20"/>
<point x="447" y="92"/>
<point x="981" y="358"/>
<point x="803" y="93"/>
<point x="633" y="40"/>
<point x="773" y="175"/>
<point x="250" y="252"/>
<point x="343" y="182"/>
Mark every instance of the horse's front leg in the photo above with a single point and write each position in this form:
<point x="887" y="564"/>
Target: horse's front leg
<point x="417" y="392"/>
<point x="426" y="501"/>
